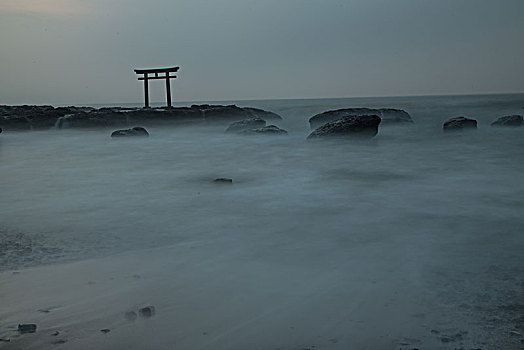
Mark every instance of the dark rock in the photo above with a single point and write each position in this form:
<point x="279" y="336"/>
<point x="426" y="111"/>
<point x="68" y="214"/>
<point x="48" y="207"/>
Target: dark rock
<point x="266" y="130"/>
<point x="387" y="115"/>
<point x="260" y="113"/>
<point x="0" y="130"/>
<point x="33" y="117"/>
<point x="364" y="126"/>
<point x="136" y="131"/>
<point x="459" y="123"/>
<point x="450" y="338"/>
<point x="27" y="328"/>
<point x="147" y="312"/>
<point x="105" y="330"/>
<point x="509" y="120"/>
<point x="245" y="124"/>
<point x="6" y="340"/>
<point x="130" y="315"/>
<point x="215" y="113"/>
<point x="223" y="180"/>
<point x="46" y="117"/>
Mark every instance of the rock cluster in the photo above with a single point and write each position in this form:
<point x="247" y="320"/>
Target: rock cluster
<point x="46" y="117"/>
<point x="266" y="130"/>
<point x="254" y="126"/>
<point x="509" y="120"/>
<point x="362" y="126"/>
<point x="387" y="115"/>
<point x="136" y="131"/>
<point x="459" y="123"/>
<point x="246" y="124"/>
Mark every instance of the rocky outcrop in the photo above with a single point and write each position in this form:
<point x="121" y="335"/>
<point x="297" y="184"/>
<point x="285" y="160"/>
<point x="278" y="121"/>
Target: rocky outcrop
<point x="246" y="124"/>
<point x="387" y="115"/>
<point x="266" y="130"/>
<point x="361" y="126"/>
<point x="136" y="131"/>
<point x="46" y="117"/>
<point x="509" y="120"/>
<point x="260" y="113"/>
<point x="459" y="123"/>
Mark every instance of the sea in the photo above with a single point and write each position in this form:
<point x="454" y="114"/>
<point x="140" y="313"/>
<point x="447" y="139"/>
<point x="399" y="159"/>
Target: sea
<point x="414" y="211"/>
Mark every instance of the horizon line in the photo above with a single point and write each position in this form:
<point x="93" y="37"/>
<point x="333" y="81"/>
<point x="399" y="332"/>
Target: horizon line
<point x="274" y="99"/>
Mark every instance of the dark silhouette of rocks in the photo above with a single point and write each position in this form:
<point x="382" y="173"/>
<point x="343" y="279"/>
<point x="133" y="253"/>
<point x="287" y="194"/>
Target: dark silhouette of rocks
<point x="362" y="126"/>
<point x="459" y="123"/>
<point x="136" y="131"/>
<point x="147" y="312"/>
<point x="47" y="117"/>
<point x="27" y="328"/>
<point x="387" y="115"/>
<point x="246" y="124"/>
<point x="266" y="130"/>
<point x="509" y="120"/>
<point x="260" y="113"/>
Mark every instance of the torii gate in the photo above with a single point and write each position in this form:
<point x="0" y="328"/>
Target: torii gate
<point x="155" y="71"/>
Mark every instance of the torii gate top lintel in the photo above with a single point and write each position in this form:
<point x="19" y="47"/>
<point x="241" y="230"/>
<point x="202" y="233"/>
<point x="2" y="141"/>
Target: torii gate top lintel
<point x="157" y="70"/>
<point x="145" y="77"/>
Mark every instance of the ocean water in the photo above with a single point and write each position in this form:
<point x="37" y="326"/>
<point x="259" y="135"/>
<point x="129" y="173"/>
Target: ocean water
<point x="415" y="211"/>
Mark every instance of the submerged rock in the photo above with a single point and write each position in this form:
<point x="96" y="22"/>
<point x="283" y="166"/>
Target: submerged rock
<point x="363" y="126"/>
<point x="130" y="315"/>
<point x="136" y="131"/>
<point x="459" y="123"/>
<point x="266" y="130"/>
<point x="387" y="115"/>
<point x="147" y="312"/>
<point x="509" y="120"/>
<point x="260" y="113"/>
<point x="223" y="180"/>
<point x="245" y="124"/>
<point x="27" y="328"/>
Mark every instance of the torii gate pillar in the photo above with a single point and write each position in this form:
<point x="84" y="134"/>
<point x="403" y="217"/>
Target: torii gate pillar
<point x="145" y="77"/>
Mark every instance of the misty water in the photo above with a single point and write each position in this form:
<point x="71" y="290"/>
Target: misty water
<point x="425" y="224"/>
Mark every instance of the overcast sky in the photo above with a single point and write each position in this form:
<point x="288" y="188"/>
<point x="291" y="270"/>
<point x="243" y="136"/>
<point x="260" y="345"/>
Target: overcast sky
<point x="84" y="51"/>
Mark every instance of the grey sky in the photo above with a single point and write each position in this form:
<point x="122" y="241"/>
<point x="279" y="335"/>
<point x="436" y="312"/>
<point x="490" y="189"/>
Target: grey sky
<point x="84" y="51"/>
